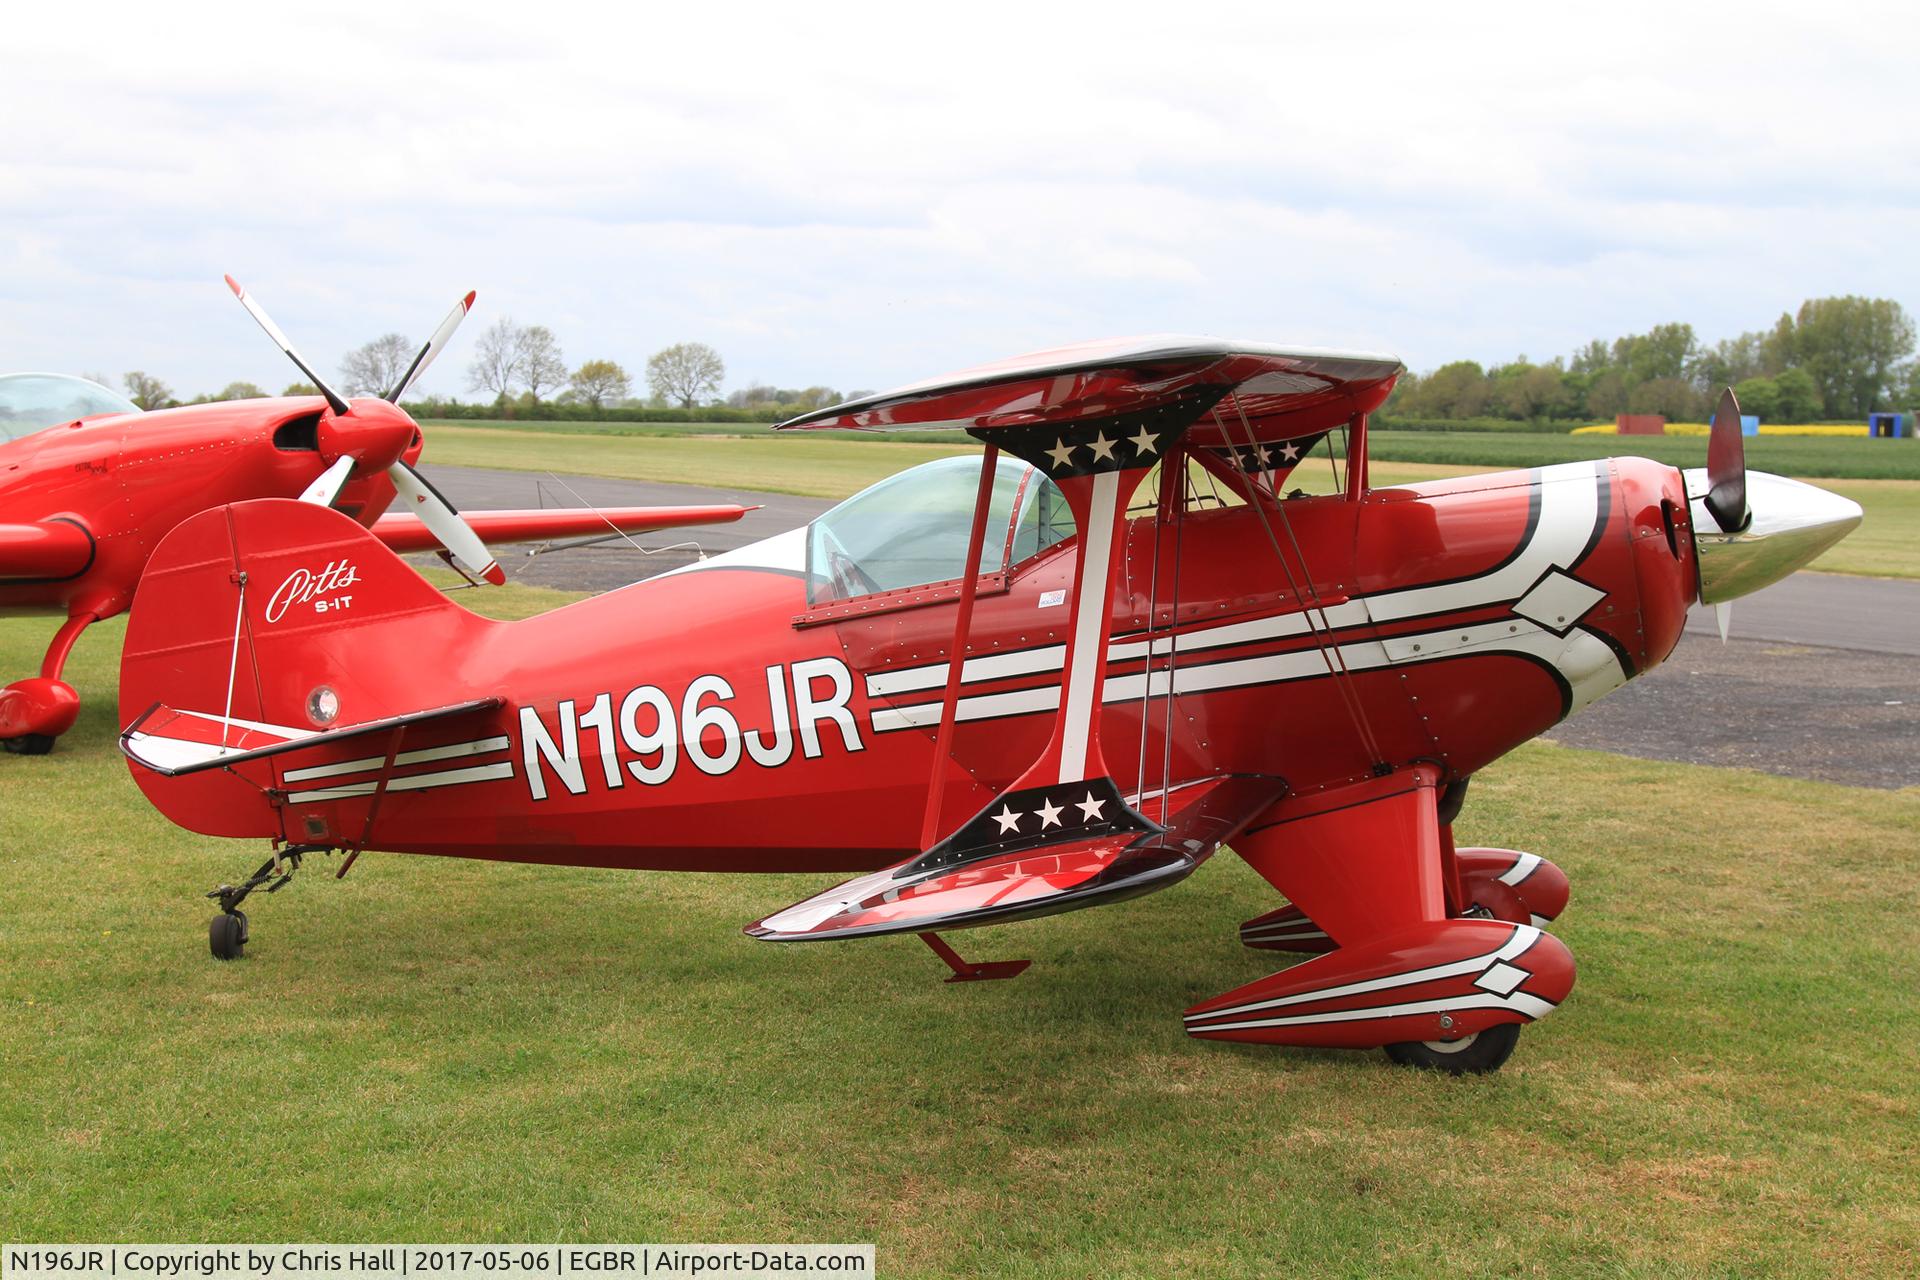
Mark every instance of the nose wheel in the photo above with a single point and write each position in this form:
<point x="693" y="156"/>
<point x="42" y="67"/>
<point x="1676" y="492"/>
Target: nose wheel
<point x="227" y="932"/>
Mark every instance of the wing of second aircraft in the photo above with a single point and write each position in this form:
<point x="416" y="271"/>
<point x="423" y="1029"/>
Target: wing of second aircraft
<point x="403" y="531"/>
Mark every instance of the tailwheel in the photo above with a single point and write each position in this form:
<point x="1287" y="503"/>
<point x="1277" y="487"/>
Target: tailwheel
<point x="1477" y="1054"/>
<point x="227" y="934"/>
<point x="29" y="744"/>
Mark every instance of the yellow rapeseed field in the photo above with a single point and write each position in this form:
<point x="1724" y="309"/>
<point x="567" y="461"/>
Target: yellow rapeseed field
<point x="1766" y="429"/>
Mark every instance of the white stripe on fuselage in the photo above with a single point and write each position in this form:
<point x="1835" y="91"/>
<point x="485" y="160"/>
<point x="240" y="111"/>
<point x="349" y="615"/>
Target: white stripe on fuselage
<point x="1570" y="511"/>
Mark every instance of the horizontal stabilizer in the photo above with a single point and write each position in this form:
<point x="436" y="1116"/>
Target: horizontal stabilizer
<point x="175" y="743"/>
<point x="404" y="531"/>
<point x="1078" y="870"/>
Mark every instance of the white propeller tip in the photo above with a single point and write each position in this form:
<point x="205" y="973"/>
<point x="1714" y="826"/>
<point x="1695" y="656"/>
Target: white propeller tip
<point x="1723" y="614"/>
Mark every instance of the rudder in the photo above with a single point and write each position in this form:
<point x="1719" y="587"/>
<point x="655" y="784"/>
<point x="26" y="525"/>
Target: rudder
<point x="281" y="614"/>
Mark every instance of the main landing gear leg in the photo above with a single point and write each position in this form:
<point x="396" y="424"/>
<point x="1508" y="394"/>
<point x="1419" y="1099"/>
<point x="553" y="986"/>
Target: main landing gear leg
<point x="35" y="711"/>
<point x="227" y="932"/>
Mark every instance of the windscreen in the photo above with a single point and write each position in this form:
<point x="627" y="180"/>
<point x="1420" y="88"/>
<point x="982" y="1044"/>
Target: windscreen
<point x="31" y="402"/>
<point x="912" y="529"/>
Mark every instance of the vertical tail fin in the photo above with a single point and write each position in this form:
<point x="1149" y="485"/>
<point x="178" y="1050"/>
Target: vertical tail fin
<point x="275" y="620"/>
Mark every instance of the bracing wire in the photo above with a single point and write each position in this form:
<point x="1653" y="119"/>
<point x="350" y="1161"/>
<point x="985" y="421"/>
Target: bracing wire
<point x="1310" y="596"/>
<point x="1153" y="609"/>
<point x="1173" y="654"/>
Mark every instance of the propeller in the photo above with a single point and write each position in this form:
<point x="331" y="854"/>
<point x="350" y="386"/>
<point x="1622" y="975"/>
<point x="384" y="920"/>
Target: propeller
<point x="462" y="543"/>
<point x="324" y="490"/>
<point x="463" y="546"/>
<point x="435" y="345"/>
<point x="334" y="398"/>
<point x="1727" y="467"/>
<point x="1726" y="499"/>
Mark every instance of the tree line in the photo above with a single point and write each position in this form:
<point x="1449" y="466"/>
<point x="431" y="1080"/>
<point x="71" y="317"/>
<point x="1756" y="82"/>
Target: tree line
<point x="1836" y="358"/>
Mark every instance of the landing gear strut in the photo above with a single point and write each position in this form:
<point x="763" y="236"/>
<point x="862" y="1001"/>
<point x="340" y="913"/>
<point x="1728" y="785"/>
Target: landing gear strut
<point x="227" y="932"/>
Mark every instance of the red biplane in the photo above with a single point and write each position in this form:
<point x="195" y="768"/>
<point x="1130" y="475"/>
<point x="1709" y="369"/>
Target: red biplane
<point x="89" y="485"/>
<point x="1002" y="688"/>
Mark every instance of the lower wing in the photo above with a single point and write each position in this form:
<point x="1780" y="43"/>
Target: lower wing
<point x="927" y="893"/>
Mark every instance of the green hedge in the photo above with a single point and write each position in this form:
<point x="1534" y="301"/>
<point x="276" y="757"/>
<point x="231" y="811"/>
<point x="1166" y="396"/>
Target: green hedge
<point x="550" y="412"/>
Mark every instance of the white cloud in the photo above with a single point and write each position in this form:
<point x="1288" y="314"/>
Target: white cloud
<point x="864" y="196"/>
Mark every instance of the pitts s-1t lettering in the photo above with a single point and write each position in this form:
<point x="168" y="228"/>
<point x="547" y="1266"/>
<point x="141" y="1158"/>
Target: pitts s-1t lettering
<point x="1060" y="675"/>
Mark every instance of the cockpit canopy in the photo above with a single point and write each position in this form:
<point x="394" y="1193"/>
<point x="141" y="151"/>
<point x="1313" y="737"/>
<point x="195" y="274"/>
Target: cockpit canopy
<point x="31" y="402"/>
<point x="912" y="529"/>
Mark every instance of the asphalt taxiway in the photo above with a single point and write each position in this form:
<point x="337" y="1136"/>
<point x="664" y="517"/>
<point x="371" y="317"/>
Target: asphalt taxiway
<point x="1821" y="678"/>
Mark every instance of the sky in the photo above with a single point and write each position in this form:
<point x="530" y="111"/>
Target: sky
<point x="861" y="196"/>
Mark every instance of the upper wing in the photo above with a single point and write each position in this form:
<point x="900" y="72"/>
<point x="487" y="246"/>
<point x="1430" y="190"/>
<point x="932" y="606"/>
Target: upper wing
<point x="1265" y="393"/>
<point x="45" y="550"/>
<point x="1014" y="880"/>
<point x="404" y="531"/>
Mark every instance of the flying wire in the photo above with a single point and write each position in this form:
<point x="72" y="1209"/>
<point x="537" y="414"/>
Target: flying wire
<point x="1329" y="652"/>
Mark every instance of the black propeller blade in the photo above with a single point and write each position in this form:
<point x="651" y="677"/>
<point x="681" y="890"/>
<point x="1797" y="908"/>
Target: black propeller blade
<point x="1727" y="467"/>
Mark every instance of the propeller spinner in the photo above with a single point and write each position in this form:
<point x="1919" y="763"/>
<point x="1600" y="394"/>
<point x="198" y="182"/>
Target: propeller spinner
<point x="375" y="447"/>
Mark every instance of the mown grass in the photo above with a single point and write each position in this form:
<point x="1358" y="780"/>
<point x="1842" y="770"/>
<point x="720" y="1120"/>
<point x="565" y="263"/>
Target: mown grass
<point x="1887" y="544"/>
<point x="1807" y="456"/>
<point x="1832" y="457"/>
<point x="817" y="468"/>
<point x="444" y="1050"/>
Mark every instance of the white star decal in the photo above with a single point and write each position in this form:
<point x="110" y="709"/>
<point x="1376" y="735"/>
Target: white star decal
<point x="1007" y="818"/>
<point x="1062" y="454"/>
<point x="1145" y="442"/>
<point x="1102" y="447"/>
<point x="1049" y="815"/>
<point x="1266" y="455"/>
<point x="1091" y="807"/>
<point x="1290" y="452"/>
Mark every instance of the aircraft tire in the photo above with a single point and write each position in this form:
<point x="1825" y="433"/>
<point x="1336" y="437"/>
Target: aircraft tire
<point x="226" y="934"/>
<point x="30" y="744"/>
<point x="1472" y="1055"/>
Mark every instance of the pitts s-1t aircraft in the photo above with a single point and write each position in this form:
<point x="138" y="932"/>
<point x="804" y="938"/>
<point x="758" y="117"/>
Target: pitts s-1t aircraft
<point x="89" y="485"/>
<point x="999" y="689"/>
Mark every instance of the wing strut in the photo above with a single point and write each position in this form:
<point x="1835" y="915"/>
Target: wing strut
<point x="963" y="970"/>
<point x="962" y="628"/>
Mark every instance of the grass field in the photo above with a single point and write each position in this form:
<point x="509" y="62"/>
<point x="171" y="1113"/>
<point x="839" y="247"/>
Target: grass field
<point x="1803" y="456"/>
<point x="1811" y="457"/>
<point x="1887" y="544"/>
<point x="440" y="1050"/>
